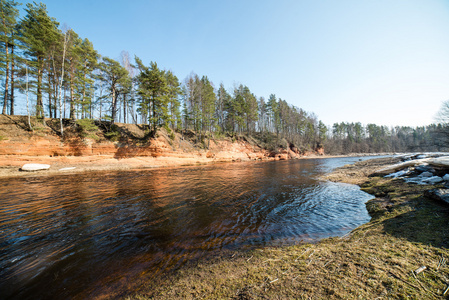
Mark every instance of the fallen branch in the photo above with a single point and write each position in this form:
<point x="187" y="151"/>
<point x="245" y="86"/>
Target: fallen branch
<point x="420" y="269"/>
<point x="327" y="263"/>
<point x="309" y="262"/>
<point x="420" y="281"/>
<point x="400" y="166"/>
<point x="404" y="281"/>
<point x="445" y="291"/>
<point x="305" y="251"/>
<point x="441" y="262"/>
<point x="271" y="260"/>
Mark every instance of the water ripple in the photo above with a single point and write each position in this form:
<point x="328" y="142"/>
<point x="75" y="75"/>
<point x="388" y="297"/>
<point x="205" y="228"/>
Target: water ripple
<point x="62" y="236"/>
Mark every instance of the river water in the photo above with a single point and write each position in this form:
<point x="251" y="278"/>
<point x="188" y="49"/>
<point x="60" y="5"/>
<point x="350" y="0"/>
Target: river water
<point x="84" y="235"/>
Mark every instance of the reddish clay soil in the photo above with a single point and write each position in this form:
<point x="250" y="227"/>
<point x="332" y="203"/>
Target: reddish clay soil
<point x="93" y="152"/>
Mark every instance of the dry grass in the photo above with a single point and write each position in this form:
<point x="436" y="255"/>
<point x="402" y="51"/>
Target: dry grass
<point x="375" y="261"/>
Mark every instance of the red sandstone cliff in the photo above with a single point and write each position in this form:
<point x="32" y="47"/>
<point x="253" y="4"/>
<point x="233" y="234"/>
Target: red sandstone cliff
<point x="132" y="148"/>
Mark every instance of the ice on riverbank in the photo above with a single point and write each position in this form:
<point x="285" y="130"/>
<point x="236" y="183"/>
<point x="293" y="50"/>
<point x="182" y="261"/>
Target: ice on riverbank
<point x="425" y="168"/>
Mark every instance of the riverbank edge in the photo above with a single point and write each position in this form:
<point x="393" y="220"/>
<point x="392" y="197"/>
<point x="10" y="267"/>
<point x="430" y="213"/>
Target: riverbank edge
<point x="62" y="165"/>
<point x="376" y="260"/>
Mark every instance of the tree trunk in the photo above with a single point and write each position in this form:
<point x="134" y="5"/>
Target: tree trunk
<point x="5" y="103"/>
<point x="65" y="95"/>
<point x="49" y="105"/>
<point x="12" y="81"/>
<point x="49" y="97"/>
<point x="72" y="100"/>
<point x="101" y="101"/>
<point x="55" y="94"/>
<point x="124" y="108"/>
<point x="154" y="115"/>
<point x="114" y="104"/>
<point x="28" y="107"/>
<point x="83" y="103"/>
<point x="39" y="104"/>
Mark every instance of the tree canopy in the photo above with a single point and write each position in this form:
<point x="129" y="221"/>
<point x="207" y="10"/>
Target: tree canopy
<point x="68" y="78"/>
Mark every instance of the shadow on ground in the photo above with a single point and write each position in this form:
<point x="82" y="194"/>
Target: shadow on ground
<point x="405" y="212"/>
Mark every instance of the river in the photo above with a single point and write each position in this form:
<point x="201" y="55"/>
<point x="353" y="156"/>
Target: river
<point x="83" y="235"/>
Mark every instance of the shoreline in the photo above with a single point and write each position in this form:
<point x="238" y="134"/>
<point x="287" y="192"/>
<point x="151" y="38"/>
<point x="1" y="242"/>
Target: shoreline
<point x="378" y="259"/>
<point x="10" y="164"/>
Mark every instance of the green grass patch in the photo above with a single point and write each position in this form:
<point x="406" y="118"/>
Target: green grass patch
<point x="87" y="128"/>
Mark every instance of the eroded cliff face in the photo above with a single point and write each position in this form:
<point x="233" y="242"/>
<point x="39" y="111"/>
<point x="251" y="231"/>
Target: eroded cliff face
<point x="17" y="140"/>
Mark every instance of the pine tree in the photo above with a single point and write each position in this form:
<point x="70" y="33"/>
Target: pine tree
<point x="153" y="90"/>
<point x="8" y="14"/>
<point x="272" y="108"/>
<point x="73" y="66"/>
<point x="128" y="87"/>
<point x="322" y="129"/>
<point x="250" y="109"/>
<point x="223" y="97"/>
<point x="193" y="102"/>
<point x="114" y="76"/>
<point x="173" y="93"/>
<point x="39" y="32"/>
<point x="262" y="114"/>
<point x="238" y="108"/>
<point x="207" y="104"/>
<point x="88" y="62"/>
<point x="13" y="70"/>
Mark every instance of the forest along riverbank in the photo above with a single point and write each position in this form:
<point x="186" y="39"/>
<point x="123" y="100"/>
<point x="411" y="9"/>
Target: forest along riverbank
<point x="99" y="145"/>
<point x="402" y="252"/>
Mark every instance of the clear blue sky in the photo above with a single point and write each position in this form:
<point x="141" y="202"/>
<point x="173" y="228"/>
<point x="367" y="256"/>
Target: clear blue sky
<point x="383" y="61"/>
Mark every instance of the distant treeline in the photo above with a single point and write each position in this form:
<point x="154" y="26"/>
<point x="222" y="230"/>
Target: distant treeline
<point x="356" y="138"/>
<point x="61" y="75"/>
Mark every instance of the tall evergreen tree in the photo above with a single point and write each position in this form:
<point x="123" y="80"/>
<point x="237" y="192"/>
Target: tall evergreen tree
<point x="153" y="90"/>
<point x="173" y="93"/>
<point x="273" y="112"/>
<point x="251" y="109"/>
<point x="73" y="66"/>
<point x="39" y="32"/>
<point x="223" y="98"/>
<point x="88" y="62"/>
<point x="207" y="104"/>
<point x="262" y="114"/>
<point x="8" y="14"/>
<point x="193" y="102"/>
<point x="114" y="76"/>
<point x="128" y="94"/>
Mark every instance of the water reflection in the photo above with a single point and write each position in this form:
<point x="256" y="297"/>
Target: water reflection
<point x="69" y="236"/>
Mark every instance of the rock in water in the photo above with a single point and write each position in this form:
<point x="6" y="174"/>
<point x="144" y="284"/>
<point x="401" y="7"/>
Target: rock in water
<point x="34" y="167"/>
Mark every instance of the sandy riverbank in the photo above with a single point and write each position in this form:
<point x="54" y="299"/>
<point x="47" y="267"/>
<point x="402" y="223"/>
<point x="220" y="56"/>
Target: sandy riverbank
<point x="10" y="164"/>
<point x="375" y="261"/>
